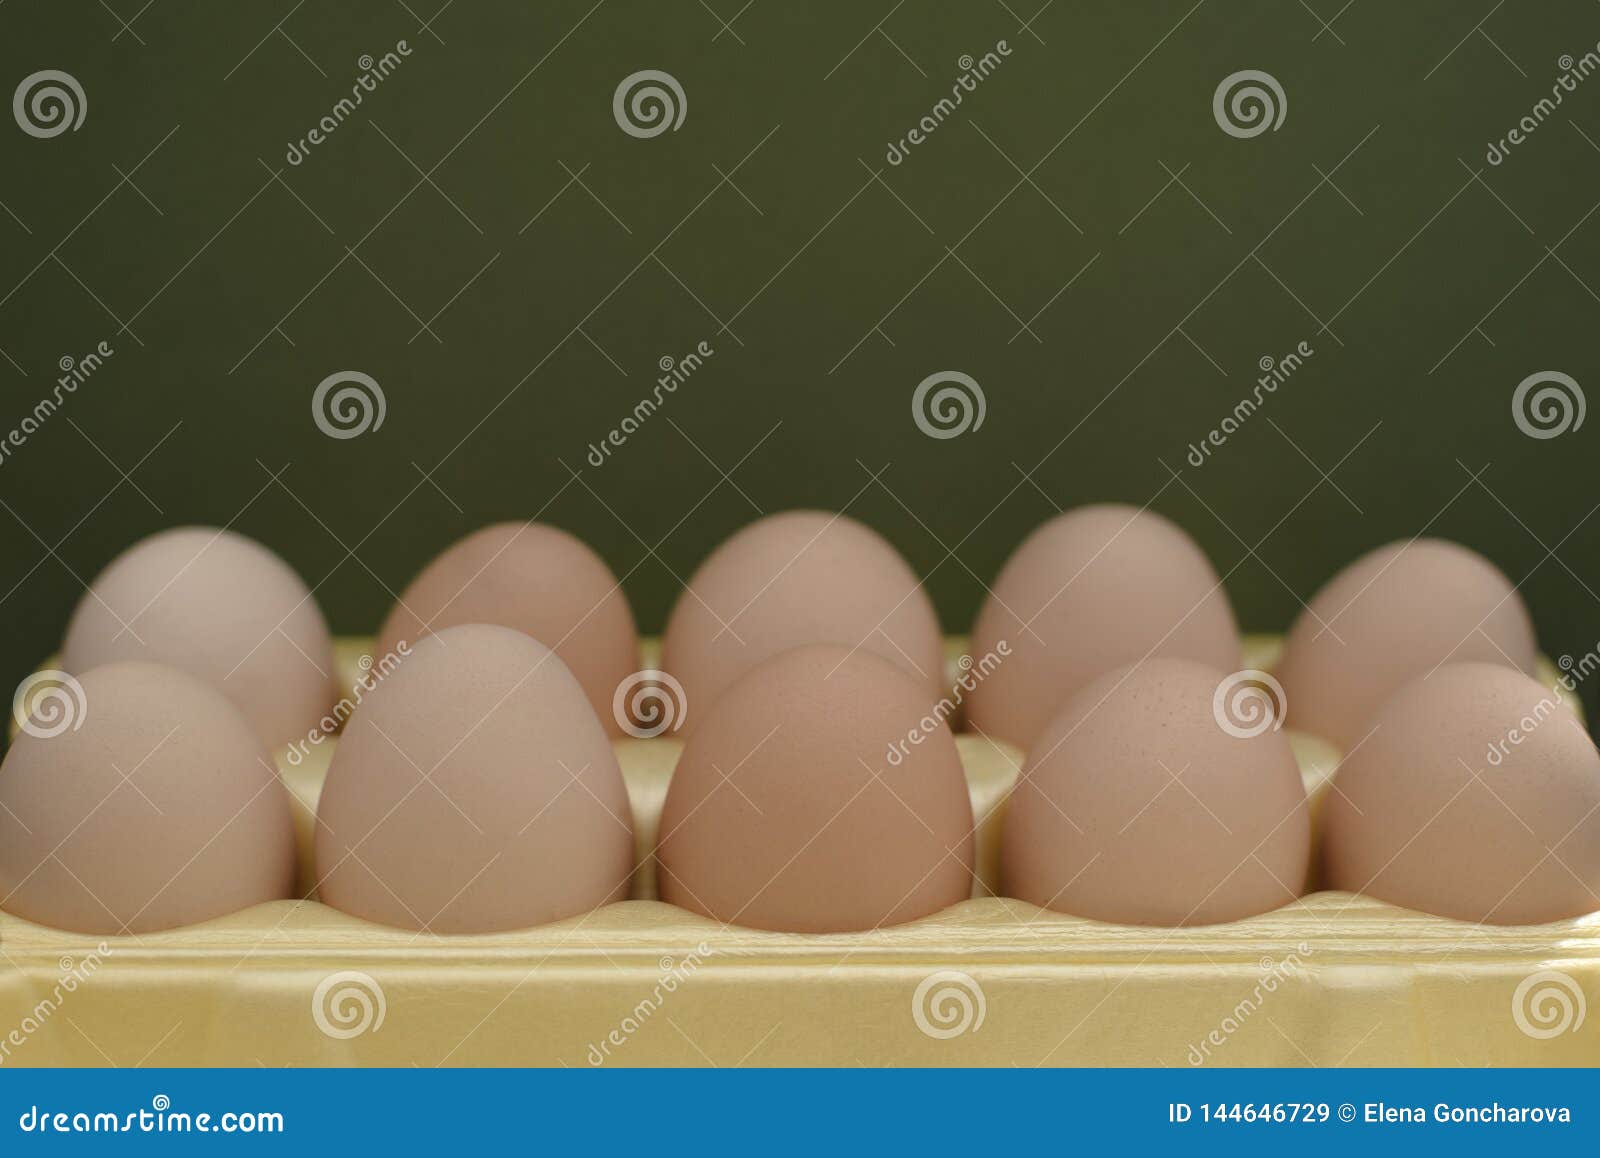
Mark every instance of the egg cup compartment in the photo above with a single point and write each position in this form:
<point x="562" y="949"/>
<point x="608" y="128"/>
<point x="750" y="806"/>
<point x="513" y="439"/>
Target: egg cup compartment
<point x="1329" y="979"/>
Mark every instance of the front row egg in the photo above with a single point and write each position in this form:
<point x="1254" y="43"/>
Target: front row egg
<point x="474" y="791"/>
<point x="139" y="798"/>
<point x="818" y="795"/>
<point x="1147" y="801"/>
<point x="1475" y="796"/>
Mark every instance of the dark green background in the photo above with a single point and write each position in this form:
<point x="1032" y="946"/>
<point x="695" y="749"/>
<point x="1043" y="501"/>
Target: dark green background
<point x="504" y="94"/>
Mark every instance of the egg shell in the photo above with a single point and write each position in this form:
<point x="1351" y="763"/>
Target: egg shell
<point x="1091" y="590"/>
<point x="156" y="806"/>
<point x="787" y="812"/>
<point x="797" y="578"/>
<point x="1476" y="796"/>
<point x="474" y="790"/>
<point x="1394" y="614"/>
<point x="221" y="607"/>
<point x="1138" y="806"/>
<point x="535" y="578"/>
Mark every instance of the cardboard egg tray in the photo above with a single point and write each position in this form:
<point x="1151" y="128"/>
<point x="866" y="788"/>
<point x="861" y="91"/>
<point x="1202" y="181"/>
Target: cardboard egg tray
<point x="1331" y="979"/>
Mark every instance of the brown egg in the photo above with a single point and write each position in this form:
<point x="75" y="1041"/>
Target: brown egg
<point x="1146" y="801"/>
<point x="473" y="791"/>
<point x="1092" y="590"/>
<point x="140" y="799"/>
<point x="539" y="580"/>
<point x="816" y="797"/>
<point x="1477" y="796"/>
<point x="1393" y="614"/>
<point x="221" y="607"/>
<point x="798" y="578"/>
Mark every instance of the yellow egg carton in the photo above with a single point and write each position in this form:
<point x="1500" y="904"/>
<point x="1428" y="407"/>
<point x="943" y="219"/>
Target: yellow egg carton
<point x="1331" y="979"/>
